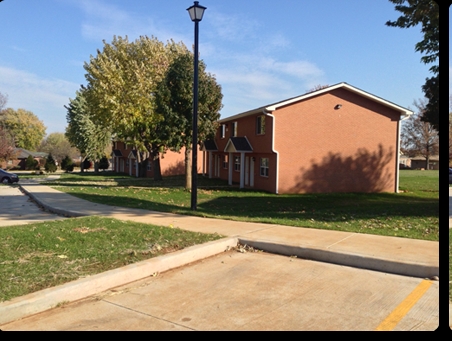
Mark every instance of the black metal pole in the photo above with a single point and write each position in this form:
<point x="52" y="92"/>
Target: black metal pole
<point x="194" y="166"/>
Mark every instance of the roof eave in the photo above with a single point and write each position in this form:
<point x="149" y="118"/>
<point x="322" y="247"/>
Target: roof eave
<point x="404" y="112"/>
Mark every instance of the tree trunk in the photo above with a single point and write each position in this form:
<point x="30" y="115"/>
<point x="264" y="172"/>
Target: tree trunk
<point x="188" y="163"/>
<point x="96" y="167"/>
<point x="427" y="161"/>
<point x="156" y="164"/>
<point x="142" y="167"/>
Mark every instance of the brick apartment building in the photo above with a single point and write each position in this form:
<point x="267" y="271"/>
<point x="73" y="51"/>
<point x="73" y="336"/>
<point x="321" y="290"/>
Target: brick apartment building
<point x="336" y="139"/>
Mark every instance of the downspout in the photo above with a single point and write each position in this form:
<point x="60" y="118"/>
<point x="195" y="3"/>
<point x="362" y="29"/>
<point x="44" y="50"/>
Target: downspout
<point x="267" y="113"/>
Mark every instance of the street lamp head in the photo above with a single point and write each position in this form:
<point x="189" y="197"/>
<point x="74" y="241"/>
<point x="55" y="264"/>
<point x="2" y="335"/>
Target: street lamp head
<point x="196" y="12"/>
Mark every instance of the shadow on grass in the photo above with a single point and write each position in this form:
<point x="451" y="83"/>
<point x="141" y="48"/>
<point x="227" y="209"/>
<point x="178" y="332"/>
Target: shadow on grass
<point x="321" y="207"/>
<point x="168" y="182"/>
<point x="325" y="207"/>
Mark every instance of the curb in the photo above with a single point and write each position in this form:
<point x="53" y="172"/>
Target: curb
<point x="345" y="259"/>
<point x="46" y="299"/>
<point x="51" y="209"/>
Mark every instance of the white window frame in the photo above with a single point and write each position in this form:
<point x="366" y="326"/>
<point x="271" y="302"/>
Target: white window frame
<point x="263" y="167"/>
<point x="234" y="129"/>
<point x="237" y="163"/>
<point x="260" y="125"/>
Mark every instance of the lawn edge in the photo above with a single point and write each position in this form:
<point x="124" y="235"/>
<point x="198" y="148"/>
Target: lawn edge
<point x="46" y="299"/>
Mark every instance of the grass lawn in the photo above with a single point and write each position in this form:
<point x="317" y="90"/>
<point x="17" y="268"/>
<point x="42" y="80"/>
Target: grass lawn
<point x="450" y="265"/>
<point x="411" y="214"/>
<point x="38" y="256"/>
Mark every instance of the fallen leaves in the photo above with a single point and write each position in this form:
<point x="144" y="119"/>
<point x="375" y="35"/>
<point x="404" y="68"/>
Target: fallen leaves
<point x="87" y="229"/>
<point x="246" y="248"/>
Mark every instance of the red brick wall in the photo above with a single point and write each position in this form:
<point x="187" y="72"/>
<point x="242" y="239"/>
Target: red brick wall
<point x="171" y="163"/>
<point x="351" y="149"/>
<point x="262" y="148"/>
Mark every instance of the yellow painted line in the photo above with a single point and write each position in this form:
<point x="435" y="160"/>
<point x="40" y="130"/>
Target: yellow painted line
<point x="403" y="308"/>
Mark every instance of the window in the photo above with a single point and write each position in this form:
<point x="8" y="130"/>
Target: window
<point x="234" y="129"/>
<point x="264" y="167"/>
<point x="223" y="131"/>
<point x="225" y="162"/>
<point x="260" y="125"/>
<point x="237" y="163"/>
<point x="149" y="165"/>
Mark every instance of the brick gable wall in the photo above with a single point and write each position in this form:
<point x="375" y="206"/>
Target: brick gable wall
<point x="323" y="149"/>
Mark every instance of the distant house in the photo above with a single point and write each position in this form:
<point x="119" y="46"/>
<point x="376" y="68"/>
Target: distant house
<point x="420" y="162"/>
<point x="404" y="161"/>
<point x="336" y="139"/>
<point x="124" y="160"/>
<point x="21" y="158"/>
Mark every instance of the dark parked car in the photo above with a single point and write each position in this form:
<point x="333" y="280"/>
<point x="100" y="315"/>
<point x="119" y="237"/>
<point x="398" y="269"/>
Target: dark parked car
<point x="8" y="178"/>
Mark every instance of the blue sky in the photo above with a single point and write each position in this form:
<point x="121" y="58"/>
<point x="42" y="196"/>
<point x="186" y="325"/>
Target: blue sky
<point x="260" y="51"/>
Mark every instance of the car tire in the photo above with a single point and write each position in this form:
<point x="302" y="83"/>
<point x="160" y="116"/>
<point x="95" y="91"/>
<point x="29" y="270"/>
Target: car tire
<point x="6" y="181"/>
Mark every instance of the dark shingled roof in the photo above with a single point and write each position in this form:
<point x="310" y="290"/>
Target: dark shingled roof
<point x="210" y="146"/>
<point x="117" y="153"/>
<point x="241" y="144"/>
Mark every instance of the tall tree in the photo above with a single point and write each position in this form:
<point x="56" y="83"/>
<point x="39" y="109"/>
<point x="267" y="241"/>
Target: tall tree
<point x="58" y="145"/>
<point x="174" y="101"/>
<point x="122" y="79"/>
<point x="419" y="138"/>
<point x="3" y="101"/>
<point x="426" y="13"/>
<point x="6" y="140"/>
<point x="7" y="148"/>
<point x="25" y="127"/>
<point x="90" y="139"/>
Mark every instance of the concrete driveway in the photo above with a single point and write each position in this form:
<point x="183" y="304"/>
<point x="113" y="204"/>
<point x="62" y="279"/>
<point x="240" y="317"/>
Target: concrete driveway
<point x="236" y="291"/>
<point x="16" y="208"/>
<point x="252" y="291"/>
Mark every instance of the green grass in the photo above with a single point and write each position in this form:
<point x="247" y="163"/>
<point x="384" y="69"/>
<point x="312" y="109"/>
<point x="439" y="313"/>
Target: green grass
<point x="38" y="256"/>
<point x="411" y="214"/>
<point x="450" y="265"/>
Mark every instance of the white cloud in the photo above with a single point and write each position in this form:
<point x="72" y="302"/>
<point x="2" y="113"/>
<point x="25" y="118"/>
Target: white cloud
<point x="19" y="49"/>
<point x="103" y="21"/>
<point x="43" y="96"/>
<point x="232" y="28"/>
<point x="250" y="81"/>
<point x="278" y="41"/>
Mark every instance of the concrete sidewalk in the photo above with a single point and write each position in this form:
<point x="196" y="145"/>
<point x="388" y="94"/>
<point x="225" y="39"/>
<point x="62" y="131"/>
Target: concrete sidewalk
<point x="401" y="256"/>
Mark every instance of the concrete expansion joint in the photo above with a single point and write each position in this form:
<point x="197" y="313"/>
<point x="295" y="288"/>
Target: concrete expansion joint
<point x="341" y="240"/>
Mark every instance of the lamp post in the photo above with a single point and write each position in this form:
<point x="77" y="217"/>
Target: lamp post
<point x="196" y="12"/>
